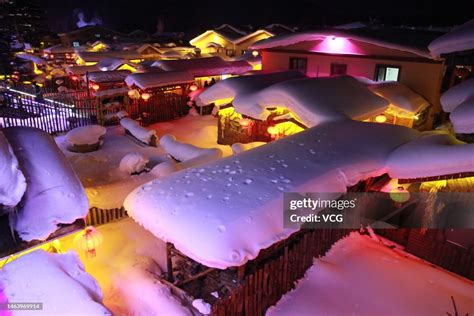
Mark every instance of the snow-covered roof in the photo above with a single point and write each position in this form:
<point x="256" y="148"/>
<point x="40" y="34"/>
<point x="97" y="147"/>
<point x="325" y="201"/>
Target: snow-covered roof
<point x="463" y="117"/>
<point x="256" y="33"/>
<point x="400" y="96"/>
<point x="433" y="154"/>
<point x="457" y="95"/>
<point x="459" y="39"/>
<point x="232" y="87"/>
<point x="392" y="43"/>
<point x="81" y="70"/>
<point x="314" y="100"/>
<point x="108" y="76"/>
<point x="110" y="63"/>
<point x="58" y="281"/>
<point x="98" y="56"/>
<point x="149" y="80"/>
<point x="232" y="206"/>
<point x="36" y="59"/>
<point x="110" y="92"/>
<point x="59" y="49"/>
<point x="54" y="195"/>
<point x="200" y="67"/>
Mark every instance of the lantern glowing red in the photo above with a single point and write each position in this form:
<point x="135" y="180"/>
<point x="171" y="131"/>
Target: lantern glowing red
<point x="255" y="53"/>
<point x="245" y="122"/>
<point x="193" y="87"/>
<point x="381" y="118"/>
<point x="95" y="87"/>
<point x="88" y="241"/>
<point x="74" y="77"/>
<point x="146" y="96"/>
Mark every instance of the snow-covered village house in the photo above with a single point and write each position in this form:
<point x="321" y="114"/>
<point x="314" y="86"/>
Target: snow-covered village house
<point x="384" y="54"/>
<point x="229" y="41"/>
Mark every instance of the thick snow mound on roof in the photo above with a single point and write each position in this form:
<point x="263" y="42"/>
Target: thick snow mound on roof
<point x="463" y="118"/>
<point x="86" y="135"/>
<point x="136" y="130"/>
<point x="208" y="66"/>
<point x="183" y="152"/>
<point x="459" y="39"/>
<point x="150" y="80"/>
<point x="54" y="195"/>
<point x="12" y="180"/>
<point x="324" y="289"/>
<point x="56" y="280"/>
<point x="314" y="100"/>
<point x="232" y="206"/>
<point x="457" y="95"/>
<point x="433" y="154"/>
<point x="231" y="87"/>
<point x="400" y="96"/>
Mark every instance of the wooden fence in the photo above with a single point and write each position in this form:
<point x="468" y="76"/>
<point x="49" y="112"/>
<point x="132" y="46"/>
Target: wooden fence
<point x="435" y="246"/>
<point x="160" y="107"/>
<point x="229" y="131"/>
<point x="98" y="216"/>
<point x="23" y="109"/>
<point x="266" y="281"/>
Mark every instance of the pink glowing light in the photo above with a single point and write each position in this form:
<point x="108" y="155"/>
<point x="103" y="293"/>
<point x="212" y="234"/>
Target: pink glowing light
<point x="336" y="45"/>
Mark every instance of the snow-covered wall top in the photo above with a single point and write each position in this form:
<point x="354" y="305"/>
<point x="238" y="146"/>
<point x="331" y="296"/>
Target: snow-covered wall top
<point x="56" y="280"/>
<point x="459" y="39"/>
<point x="54" y="195"/>
<point x="150" y="80"/>
<point x="400" y="96"/>
<point x="231" y="87"/>
<point x="223" y="213"/>
<point x="294" y="38"/>
<point x="108" y="76"/>
<point x="432" y="154"/>
<point x="208" y="66"/>
<point x="457" y="95"/>
<point x="12" y="180"/>
<point x="314" y="100"/>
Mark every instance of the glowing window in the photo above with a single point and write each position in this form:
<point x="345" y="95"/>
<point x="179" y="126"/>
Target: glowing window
<point x="387" y="73"/>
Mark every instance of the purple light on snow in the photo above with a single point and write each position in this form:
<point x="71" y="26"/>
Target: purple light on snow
<point x="336" y="45"/>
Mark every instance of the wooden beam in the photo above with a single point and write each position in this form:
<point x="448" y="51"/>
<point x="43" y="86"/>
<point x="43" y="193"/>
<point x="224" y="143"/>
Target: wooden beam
<point x="195" y="277"/>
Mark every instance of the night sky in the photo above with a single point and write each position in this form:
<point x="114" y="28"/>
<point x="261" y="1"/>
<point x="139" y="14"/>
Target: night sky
<point x="194" y="16"/>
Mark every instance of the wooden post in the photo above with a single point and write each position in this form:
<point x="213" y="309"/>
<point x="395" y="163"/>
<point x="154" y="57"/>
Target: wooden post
<point x="169" y="262"/>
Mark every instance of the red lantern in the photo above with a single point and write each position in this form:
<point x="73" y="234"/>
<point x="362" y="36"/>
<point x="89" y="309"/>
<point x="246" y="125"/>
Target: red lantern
<point x="88" y="241"/>
<point x="245" y="122"/>
<point x="95" y="87"/>
<point x="74" y="77"/>
<point x="146" y="96"/>
<point x="193" y="87"/>
<point x="255" y="53"/>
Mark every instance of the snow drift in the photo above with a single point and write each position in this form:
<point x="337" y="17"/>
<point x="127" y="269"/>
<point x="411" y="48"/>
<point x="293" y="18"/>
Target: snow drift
<point x="461" y="38"/>
<point x="12" y="180"/>
<point x="54" y="195"/>
<point x="463" y="117"/>
<point x="56" y="280"/>
<point x="314" y="100"/>
<point x="457" y="95"/>
<point x="133" y="163"/>
<point x="85" y="135"/>
<point x="233" y="205"/>
<point x="139" y="132"/>
<point x="433" y="154"/>
<point x="399" y="96"/>
<point x="183" y="152"/>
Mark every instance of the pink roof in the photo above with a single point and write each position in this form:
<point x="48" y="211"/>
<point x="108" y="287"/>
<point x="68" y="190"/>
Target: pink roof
<point x="209" y="66"/>
<point x="150" y="80"/>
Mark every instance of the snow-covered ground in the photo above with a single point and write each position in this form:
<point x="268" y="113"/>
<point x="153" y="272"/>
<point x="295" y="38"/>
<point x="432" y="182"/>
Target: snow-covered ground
<point x="127" y="267"/>
<point x="360" y="276"/>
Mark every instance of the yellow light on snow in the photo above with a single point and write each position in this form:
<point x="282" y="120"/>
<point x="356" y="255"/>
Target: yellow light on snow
<point x="382" y="118"/>
<point x="53" y="246"/>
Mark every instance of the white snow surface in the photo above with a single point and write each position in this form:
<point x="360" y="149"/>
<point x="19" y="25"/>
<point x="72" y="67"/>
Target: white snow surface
<point x="85" y="135"/>
<point x="432" y="154"/>
<point x="12" y="180"/>
<point x="314" y="100"/>
<point x="232" y="206"/>
<point x="183" y="151"/>
<point x="202" y="306"/>
<point x="133" y="163"/>
<point x="461" y="38"/>
<point x="150" y="80"/>
<point x="457" y="95"/>
<point x="237" y="148"/>
<point x="463" y="117"/>
<point x="54" y="195"/>
<point x="56" y="280"/>
<point x="232" y="87"/>
<point x="400" y="96"/>
<point x="136" y="130"/>
<point x="298" y="37"/>
<point x="359" y="276"/>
